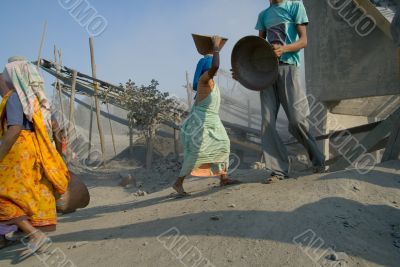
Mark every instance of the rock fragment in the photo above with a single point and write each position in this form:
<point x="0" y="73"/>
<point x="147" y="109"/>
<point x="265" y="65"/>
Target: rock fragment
<point x="140" y="193"/>
<point x="78" y="244"/>
<point x="216" y="218"/>
<point x="127" y="181"/>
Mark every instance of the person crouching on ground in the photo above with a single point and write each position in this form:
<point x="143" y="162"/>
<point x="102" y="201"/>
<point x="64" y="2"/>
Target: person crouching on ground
<point x="205" y="142"/>
<point x="31" y="170"/>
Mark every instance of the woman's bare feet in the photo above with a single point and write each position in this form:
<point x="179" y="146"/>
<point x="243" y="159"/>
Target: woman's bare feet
<point x="178" y="187"/>
<point x="36" y="242"/>
<point x="34" y="239"/>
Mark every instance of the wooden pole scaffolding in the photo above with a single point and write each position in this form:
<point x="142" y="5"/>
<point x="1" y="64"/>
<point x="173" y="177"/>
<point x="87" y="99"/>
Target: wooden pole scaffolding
<point x="90" y="128"/>
<point x="97" y="104"/>
<point x="111" y="128"/>
<point x="58" y="86"/>
<point x="71" y="127"/>
<point x="53" y="100"/>
<point x="42" y="43"/>
<point x="55" y="87"/>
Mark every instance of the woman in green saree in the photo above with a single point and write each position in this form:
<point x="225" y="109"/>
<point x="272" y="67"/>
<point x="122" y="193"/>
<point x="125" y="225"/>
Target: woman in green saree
<point x="205" y="142"/>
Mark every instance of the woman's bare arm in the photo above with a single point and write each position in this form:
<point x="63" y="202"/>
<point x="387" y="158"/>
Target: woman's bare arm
<point x="215" y="63"/>
<point x="9" y="140"/>
<point x="57" y="135"/>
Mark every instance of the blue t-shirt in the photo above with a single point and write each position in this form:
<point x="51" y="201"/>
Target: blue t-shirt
<point x="279" y="21"/>
<point x="15" y="113"/>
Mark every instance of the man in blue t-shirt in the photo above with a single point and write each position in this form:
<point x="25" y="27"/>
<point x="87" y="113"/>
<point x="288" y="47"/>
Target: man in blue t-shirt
<point x="284" y="25"/>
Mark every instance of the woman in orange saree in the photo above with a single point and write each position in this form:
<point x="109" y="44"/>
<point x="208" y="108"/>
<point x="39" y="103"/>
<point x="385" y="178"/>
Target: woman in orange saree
<point x="31" y="170"/>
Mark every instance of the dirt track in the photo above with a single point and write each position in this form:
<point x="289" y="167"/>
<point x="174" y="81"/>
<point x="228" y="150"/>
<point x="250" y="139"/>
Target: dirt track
<point x="347" y="214"/>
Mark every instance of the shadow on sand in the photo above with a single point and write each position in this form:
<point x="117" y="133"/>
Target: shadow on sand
<point x="385" y="175"/>
<point x="332" y="219"/>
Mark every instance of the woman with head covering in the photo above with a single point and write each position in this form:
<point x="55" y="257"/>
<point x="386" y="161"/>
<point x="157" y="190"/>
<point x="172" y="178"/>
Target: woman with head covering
<point x="204" y="138"/>
<point x="31" y="170"/>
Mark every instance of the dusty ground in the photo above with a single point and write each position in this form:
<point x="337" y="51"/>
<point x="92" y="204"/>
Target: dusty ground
<point x="346" y="216"/>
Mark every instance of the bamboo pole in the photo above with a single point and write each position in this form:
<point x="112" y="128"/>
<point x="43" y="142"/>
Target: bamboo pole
<point x="42" y="43"/>
<point x="55" y="87"/>
<point x="97" y="104"/>
<point x="56" y="81"/>
<point x="111" y="128"/>
<point x="72" y="99"/>
<point x="62" y="121"/>
<point x="90" y="128"/>
<point x="71" y="123"/>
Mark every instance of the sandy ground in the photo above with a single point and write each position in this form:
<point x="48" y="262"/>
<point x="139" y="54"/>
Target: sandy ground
<point x="352" y="219"/>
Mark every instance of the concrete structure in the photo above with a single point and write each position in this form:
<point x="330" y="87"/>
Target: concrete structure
<point x="352" y="66"/>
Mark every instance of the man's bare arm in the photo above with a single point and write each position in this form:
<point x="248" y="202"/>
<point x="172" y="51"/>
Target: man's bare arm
<point x="296" y="46"/>
<point x="302" y="42"/>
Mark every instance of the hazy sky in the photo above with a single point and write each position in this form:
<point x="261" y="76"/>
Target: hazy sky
<point x="144" y="39"/>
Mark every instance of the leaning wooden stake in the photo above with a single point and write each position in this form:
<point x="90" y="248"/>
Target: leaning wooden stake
<point x="55" y="87"/>
<point x="97" y="104"/>
<point x="41" y="44"/>
<point x="111" y="128"/>
<point x="71" y="127"/>
<point x="58" y="86"/>
<point x="56" y="81"/>
<point x="90" y="128"/>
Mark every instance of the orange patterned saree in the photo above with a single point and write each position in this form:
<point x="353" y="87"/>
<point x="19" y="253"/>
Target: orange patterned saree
<point x="30" y="174"/>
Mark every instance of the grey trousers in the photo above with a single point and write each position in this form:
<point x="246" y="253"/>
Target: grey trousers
<point x="287" y="92"/>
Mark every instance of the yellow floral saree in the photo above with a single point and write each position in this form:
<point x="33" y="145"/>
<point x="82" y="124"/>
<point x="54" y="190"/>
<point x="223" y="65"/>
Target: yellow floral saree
<point x="30" y="174"/>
